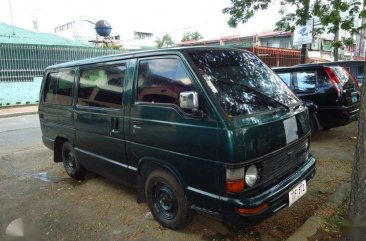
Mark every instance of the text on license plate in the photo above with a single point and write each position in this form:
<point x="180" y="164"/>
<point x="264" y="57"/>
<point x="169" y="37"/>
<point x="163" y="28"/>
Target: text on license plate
<point x="297" y="192"/>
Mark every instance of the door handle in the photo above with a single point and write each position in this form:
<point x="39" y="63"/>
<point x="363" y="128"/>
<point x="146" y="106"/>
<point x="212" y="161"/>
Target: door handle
<point x="114" y="125"/>
<point x="136" y="124"/>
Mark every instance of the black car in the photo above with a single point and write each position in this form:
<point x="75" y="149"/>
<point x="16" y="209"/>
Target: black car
<point x="331" y="93"/>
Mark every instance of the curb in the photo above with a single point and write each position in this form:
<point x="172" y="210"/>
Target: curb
<point x="311" y="226"/>
<point x="18" y="114"/>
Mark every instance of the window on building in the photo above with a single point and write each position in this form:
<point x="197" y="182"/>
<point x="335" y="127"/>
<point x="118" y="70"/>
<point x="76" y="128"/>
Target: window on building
<point x="59" y="88"/>
<point x="102" y="87"/>
<point x="162" y="81"/>
<point x="285" y="44"/>
<point x="142" y="35"/>
<point x="305" y="81"/>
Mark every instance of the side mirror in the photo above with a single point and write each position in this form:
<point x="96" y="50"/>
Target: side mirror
<point x="188" y="100"/>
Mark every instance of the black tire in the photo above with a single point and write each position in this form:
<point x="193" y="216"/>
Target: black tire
<point x="73" y="168"/>
<point x="167" y="200"/>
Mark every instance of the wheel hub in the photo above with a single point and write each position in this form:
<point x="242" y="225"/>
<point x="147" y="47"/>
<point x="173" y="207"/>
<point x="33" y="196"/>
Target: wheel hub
<point x="70" y="161"/>
<point x="165" y="201"/>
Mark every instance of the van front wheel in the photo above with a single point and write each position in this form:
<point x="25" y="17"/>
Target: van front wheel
<point x="167" y="200"/>
<point x="73" y="168"/>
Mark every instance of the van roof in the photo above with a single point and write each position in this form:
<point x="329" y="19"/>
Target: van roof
<point x="133" y="54"/>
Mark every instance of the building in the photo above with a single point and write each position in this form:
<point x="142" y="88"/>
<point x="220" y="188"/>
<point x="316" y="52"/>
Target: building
<point x="274" y="48"/>
<point x="82" y="31"/>
<point x="137" y="40"/>
<point x="320" y="49"/>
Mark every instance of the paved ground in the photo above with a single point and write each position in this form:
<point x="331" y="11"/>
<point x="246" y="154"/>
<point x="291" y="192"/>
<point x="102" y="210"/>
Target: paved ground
<point x="19" y="110"/>
<point x="59" y="208"/>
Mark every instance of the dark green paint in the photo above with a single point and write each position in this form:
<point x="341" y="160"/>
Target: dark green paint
<point x="197" y="150"/>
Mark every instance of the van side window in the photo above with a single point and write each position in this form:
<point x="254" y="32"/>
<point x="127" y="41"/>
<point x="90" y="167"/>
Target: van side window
<point x="58" y="89"/>
<point x="305" y="81"/>
<point x="102" y="87"/>
<point x="162" y="81"/>
<point x="286" y="77"/>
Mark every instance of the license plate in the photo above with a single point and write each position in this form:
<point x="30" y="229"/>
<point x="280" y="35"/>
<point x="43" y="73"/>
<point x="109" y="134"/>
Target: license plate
<point x="297" y="192"/>
<point x="291" y="130"/>
<point x="354" y="98"/>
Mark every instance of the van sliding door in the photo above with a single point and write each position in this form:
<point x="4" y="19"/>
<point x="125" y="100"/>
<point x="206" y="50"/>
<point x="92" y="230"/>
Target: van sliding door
<point x="99" y="120"/>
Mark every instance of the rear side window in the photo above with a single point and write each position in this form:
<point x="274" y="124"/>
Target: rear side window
<point x="101" y="87"/>
<point x="305" y="81"/>
<point x="162" y="81"/>
<point x="58" y="88"/>
<point x="286" y="77"/>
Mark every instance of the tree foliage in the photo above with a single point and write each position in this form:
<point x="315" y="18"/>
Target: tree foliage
<point x="336" y="15"/>
<point x="332" y="14"/>
<point x="164" y="42"/>
<point x="189" y="36"/>
<point x="242" y="10"/>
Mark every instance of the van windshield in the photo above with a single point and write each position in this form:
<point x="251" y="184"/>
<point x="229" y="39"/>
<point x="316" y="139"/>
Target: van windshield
<point x="241" y="82"/>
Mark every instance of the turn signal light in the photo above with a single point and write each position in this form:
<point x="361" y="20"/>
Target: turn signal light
<point x="235" y="186"/>
<point x="235" y="180"/>
<point x="256" y="210"/>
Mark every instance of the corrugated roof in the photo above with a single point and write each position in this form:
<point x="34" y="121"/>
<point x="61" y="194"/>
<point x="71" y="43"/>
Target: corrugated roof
<point x="14" y="35"/>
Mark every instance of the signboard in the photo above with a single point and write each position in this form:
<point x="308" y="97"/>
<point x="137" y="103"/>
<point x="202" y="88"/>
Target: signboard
<point x="303" y="35"/>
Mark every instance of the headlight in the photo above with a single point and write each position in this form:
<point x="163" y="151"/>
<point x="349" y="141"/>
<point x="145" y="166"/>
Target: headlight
<point x="251" y="175"/>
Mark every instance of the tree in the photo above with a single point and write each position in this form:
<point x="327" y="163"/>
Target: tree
<point x="189" y="36"/>
<point x="330" y="12"/>
<point x="335" y="15"/>
<point x="164" y="42"/>
<point x="357" y="204"/>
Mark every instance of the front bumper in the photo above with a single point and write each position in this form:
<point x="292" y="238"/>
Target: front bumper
<point x="276" y="197"/>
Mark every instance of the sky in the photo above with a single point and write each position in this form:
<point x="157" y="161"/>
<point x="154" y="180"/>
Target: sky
<point x="158" y="16"/>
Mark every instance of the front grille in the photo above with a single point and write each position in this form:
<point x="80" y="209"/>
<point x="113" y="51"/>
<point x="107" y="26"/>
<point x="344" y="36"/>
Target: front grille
<point x="279" y="166"/>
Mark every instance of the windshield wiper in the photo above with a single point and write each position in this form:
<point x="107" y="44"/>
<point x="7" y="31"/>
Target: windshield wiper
<point x="255" y="91"/>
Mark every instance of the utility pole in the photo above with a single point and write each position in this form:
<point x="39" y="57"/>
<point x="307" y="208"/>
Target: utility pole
<point x="11" y="17"/>
<point x="336" y="49"/>
<point x="304" y="46"/>
<point x="360" y="47"/>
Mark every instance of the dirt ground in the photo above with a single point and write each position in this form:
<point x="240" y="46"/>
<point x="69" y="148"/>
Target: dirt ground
<point x="55" y="207"/>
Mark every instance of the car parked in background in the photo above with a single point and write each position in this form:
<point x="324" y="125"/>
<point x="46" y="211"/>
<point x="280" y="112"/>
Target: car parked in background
<point x="331" y="93"/>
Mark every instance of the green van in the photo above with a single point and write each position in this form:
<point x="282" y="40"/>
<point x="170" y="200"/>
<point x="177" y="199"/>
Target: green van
<point x="204" y="129"/>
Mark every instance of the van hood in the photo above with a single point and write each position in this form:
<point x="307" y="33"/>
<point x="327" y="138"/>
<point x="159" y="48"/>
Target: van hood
<point x="256" y="136"/>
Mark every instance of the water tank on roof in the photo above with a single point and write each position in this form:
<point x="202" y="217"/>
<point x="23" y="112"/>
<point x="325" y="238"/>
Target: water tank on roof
<point x="103" y="28"/>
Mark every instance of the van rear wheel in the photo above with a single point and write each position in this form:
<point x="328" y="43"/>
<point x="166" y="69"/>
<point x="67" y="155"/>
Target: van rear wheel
<point x="167" y="200"/>
<point x="73" y="168"/>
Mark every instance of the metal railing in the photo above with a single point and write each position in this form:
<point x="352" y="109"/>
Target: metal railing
<point x="22" y="68"/>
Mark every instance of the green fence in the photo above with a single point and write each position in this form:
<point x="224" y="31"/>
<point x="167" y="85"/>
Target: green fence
<point x="22" y="66"/>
